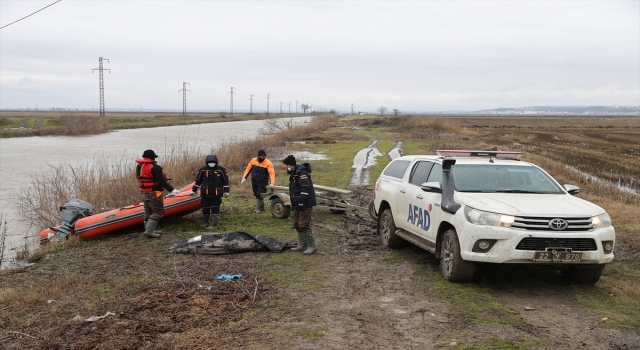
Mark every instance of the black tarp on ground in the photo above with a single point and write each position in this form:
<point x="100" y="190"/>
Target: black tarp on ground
<point x="228" y="243"/>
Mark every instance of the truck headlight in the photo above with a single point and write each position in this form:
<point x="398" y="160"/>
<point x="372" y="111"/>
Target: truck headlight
<point x="479" y="217"/>
<point x="600" y="221"/>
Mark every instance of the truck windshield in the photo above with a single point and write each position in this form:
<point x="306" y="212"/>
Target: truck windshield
<point x="502" y="178"/>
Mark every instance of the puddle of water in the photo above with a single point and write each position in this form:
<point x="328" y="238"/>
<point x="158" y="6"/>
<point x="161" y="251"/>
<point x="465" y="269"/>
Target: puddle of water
<point x="594" y="178"/>
<point x="366" y="158"/>
<point x="362" y="162"/>
<point x="306" y="156"/>
<point x="396" y="151"/>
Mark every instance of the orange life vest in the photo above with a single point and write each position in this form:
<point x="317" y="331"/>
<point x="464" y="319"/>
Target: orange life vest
<point x="146" y="181"/>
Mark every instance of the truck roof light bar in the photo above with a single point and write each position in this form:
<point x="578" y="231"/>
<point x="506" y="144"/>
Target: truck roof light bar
<point x="476" y="153"/>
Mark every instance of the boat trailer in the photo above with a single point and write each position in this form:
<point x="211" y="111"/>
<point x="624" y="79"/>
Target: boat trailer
<point x="329" y="197"/>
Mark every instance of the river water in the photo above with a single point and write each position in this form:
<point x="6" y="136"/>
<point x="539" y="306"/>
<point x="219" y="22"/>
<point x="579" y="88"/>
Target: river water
<point x="21" y="158"/>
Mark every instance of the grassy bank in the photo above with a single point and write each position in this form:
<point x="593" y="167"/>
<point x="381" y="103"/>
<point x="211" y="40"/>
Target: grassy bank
<point x="38" y="123"/>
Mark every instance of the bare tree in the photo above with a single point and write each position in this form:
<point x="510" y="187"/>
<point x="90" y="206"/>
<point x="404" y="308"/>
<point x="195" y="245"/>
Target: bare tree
<point x="381" y="110"/>
<point x="305" y="107"/>
<point x="396" y="112"/>
<point x="277" y="125"/>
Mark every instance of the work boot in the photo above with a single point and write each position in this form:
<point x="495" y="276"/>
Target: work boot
<point x="302" y="243"/>
<point x="213" y="223"/>
<point x="149" y="227"/>
<point x="259" y="207"/>
<point x="206" y="218"/>
<point x="311" y="243"/>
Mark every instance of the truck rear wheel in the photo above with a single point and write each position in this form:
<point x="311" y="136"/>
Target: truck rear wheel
<point x="387" y="230"/>
<point x="453" y="268"/>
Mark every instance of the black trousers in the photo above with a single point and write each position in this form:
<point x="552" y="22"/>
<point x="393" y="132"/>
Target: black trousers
<point x="259" y="187"/>
<point x="211" y="205"/>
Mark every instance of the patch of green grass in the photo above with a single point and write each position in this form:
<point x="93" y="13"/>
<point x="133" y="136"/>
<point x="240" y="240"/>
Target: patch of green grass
<point x="621" y="311"/>
<point x="315" y="332"/>
<point x="474" y="303"/>
<point x="100" y="291"/>
<point x="393" y="256"/>
<point x="501" y="344"/>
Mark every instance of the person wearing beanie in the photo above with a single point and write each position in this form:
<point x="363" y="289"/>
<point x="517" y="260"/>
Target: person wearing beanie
<point x="213" y="182"/>
<point x="262" y="174"/>
<point x="303" y="199"/>
<point x="152" y="180"/>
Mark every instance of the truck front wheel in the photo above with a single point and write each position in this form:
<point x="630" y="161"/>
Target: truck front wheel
<point x="453" y="268"/>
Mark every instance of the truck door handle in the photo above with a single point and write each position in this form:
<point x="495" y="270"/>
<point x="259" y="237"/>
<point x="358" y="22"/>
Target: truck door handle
<point x="403" y="191"/>
<point x="419" y="196"/>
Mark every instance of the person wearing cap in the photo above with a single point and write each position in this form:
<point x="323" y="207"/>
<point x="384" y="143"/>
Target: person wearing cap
<point x="213" y="182"/>
<point x="151" y="180"/>
<point x="262" y="174"/>
<point x="303" y="199"/>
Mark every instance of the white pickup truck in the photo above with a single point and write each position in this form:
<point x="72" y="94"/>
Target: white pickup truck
<point x="475" y="208"/>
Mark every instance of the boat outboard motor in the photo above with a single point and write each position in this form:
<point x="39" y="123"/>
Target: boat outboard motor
<point x="71" y="212"/>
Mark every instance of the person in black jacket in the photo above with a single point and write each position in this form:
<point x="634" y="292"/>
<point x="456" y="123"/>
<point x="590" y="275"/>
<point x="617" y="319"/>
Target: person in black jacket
<point x="213" y="182"/>
<point x="303" y="199"/>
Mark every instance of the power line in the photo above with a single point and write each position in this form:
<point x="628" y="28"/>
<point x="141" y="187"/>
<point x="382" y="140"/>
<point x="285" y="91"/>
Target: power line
<point x="30" y="14"/>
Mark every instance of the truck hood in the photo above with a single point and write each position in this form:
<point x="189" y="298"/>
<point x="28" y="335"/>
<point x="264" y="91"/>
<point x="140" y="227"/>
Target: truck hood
<point x="529" y="204"/>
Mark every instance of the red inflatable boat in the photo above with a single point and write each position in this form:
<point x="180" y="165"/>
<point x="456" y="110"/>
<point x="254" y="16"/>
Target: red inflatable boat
<point x="90" y="226"/>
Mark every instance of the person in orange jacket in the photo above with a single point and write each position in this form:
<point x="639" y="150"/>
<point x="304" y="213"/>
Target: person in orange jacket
<point x="262" y="173"/>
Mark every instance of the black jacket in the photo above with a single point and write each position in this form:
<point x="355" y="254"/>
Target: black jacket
<point x="212" y="182"/>
<point x="301" y="187"/>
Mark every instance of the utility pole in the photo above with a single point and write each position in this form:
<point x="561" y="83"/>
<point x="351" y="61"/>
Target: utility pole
<point x="352" y="109"/>
<point x="280" y="107"/>
<point x="251" y="105"/>
<point x="184" y="98"/>
<point x="231" y="93"/>
<point x="289" y="107"/>
<point x="296" y="106"/>
<point x="268" y="97"/>
<point x="100" y="69"/>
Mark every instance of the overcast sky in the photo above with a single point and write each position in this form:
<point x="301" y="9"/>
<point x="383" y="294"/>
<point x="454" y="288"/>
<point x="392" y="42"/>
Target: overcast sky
<point x="410" y="55"/>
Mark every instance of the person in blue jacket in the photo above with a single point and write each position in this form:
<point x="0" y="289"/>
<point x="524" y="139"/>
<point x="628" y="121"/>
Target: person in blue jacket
<point x="303" y="199"/>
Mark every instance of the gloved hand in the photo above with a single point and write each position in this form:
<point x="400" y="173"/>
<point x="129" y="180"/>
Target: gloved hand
<point x="226" y="194"/>
<point x="175" y="191"/>
<point x="243" y="181"/>
<point x="193" y="193"/>
<point x="301" y="206"/>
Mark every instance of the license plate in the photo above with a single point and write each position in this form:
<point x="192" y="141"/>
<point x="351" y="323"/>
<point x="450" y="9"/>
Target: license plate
<point x="557" y="256"/>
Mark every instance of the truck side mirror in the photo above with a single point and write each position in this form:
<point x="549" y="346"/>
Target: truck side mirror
<point x="434" y="187"/>
<point x="573" y="190"/>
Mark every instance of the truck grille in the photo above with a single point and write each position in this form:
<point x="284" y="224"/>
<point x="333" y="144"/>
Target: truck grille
<point x="540" y="244"/>
<point x="541" y="223"/>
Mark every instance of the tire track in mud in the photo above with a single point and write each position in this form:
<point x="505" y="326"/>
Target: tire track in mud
<point x="366" y="158"/>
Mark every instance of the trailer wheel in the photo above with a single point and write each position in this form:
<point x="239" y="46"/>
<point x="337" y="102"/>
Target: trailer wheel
<point x="337" y="211"/>
<point x="279" y="210"/>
